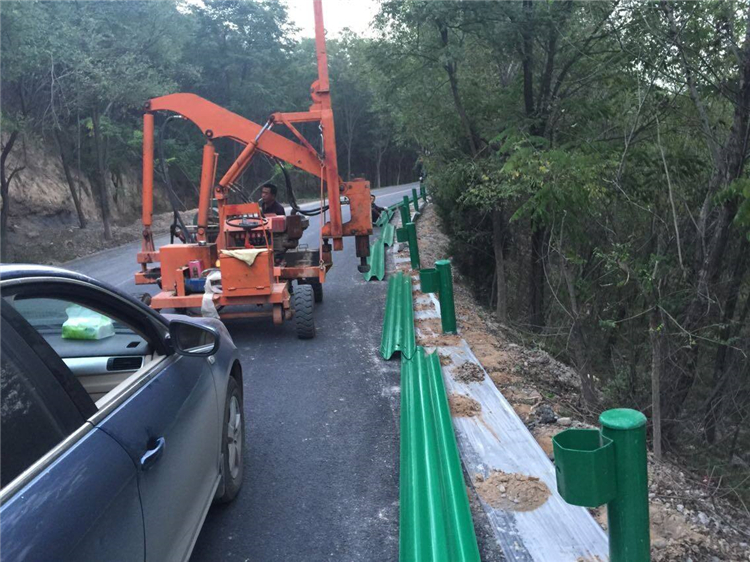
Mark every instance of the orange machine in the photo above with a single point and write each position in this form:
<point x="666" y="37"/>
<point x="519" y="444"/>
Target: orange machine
<point x="255" y="257"/>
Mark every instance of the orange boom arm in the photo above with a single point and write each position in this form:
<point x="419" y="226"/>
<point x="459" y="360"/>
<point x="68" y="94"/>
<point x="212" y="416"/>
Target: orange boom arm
<point x="216" y="122"/>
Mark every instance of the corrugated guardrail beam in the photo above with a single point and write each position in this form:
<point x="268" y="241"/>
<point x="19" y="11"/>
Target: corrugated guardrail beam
<point x="435" y="519"/>
<point x="376" y="260"/>
<point x="384" y="217"/>
<point x="387" y="234"/>
<point x="398" y="325"/>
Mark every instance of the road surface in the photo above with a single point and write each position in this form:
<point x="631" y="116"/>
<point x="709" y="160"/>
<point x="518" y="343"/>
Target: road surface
<point x="321" y="460"/>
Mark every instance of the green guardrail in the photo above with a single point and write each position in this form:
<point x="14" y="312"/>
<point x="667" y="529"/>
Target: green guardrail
<point x="387" y="234"/>
<point x="411" y="237"/>
<point x="385" y="217"/>
<point x="376" y="261"/>
<point x="398" y="325"/>
<point x="435" y="520"/>
<point x="608" y="466"/>
<point x="404" y="210"/>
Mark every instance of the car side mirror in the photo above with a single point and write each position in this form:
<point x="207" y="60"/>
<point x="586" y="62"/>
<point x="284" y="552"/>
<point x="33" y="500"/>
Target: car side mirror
<point x="193" y="339"/>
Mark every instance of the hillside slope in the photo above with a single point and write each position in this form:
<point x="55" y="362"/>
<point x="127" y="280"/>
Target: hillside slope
<point x="42" y="223"/>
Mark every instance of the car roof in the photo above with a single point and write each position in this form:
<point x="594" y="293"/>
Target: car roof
<point x="15" y="271"/>
<point x="24" y="270"/>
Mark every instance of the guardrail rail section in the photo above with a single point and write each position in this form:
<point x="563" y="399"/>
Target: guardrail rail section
<point x="435" y="519"/>
<point x="398" y="324"/>
<point x="376" y="260"/>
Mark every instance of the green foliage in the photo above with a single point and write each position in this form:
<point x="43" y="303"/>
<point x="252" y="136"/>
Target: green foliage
<point x="66" y="65"/>
<point x="602" y="130"/>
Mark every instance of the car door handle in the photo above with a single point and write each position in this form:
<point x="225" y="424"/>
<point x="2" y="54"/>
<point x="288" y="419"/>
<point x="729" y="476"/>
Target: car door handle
<point x="152" y="455"/>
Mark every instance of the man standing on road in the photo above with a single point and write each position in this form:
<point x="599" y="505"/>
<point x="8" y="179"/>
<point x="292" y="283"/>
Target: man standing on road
<point x="376" y="209"/>
<point x="268" y="203"/>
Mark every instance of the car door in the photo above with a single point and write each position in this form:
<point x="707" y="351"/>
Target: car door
<point x="69" y="491"/>
<point x="168" y="421"/>
<point x="170" y="429"/>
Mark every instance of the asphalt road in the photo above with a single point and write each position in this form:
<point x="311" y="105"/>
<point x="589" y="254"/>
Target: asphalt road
<point x="321" y="459"/>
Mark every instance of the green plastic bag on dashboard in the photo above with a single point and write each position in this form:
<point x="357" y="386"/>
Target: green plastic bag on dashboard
<point x="85" y="324"/>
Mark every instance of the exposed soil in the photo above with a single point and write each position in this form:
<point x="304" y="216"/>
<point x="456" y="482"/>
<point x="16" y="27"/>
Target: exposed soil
<point x="52" y="244"/>
<point x="446" y="360"/>
<point x="463" y="406"/>
<point x="430" y="334"/>
<point x="468" y="373"/>
<point x="690" y="519"/>
<point x="430" y="326"/>
<point x="512" y="492"/>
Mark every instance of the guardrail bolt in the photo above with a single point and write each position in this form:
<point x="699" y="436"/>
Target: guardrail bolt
<point x="405" y="213"/>
<point x="627" y="513"/>
<point x="447" y="306"/>
<point x="415" y="198"/>
<point x="411" y="233"/>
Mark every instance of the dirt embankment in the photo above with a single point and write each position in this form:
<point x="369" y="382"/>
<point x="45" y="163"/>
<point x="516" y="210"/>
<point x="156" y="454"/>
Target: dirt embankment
<point x="43" y="224"/>
<point x="689" y="521"/>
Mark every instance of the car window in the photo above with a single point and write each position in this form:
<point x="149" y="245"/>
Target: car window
<point x="74" y="330"/>
<point x="99" y="350"/>
<point x="35" y="414"/>
<point x="50" y="315"/>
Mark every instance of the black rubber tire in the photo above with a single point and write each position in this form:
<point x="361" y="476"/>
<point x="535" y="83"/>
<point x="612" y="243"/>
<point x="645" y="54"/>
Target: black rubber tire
<point x="317" y="290"/>
<point x="231" y="484"/>
<point x="303" y="302"/>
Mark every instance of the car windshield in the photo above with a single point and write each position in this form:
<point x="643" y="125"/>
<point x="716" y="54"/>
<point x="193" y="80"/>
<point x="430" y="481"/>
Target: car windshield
<point x="48" y="315"/>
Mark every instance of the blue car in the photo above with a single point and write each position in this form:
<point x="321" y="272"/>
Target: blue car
<point x="120" y="426"/>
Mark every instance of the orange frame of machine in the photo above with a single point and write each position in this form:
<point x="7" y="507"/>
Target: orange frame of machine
<point x="216" y="122"/>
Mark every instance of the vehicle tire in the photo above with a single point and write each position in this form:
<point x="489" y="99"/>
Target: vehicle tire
<point x="232" y="443"/>
<point x="303" y="301"/>
<point x="317" y="290"/>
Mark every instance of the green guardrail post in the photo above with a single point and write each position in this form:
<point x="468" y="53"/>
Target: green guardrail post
<point x="609" y="466"/>
<point x="627" y="514"/>
<point x="407" y="204"/>
<point x="411" y="233"/>
<point x="415" y="199"/>
<point x="423" y="191"/>
<point x="404" y="208"/>
<point x="429" y="280"/>
<point x="447" y="306"/>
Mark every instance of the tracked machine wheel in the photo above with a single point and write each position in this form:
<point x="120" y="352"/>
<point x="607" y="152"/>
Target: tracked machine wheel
<point x="303" y="300"/>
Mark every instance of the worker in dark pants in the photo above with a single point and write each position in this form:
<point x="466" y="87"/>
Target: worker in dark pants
<point x="376" y="209"/>
<point x="268" y="203"/>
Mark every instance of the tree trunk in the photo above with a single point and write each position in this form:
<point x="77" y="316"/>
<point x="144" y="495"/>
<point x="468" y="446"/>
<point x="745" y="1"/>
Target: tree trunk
<point x="498" y="238"/>
<point x="729" y="163"/>
<point x="379" y="161"/>
<point x="5" y="194"/>
<point x="101" y="174"/>
<point x="536" y="279"/>
<point x="349" y="143"/>
<point x="74" y="194"/>
<point x="450" y="69"/>
<point x="577" y="339"/>
<point x="528" y="63"/>
<point x="656" y="335"/>
<point x="713" y="407"/>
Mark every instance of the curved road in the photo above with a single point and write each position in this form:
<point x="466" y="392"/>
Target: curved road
<point x="321" y="463"/>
